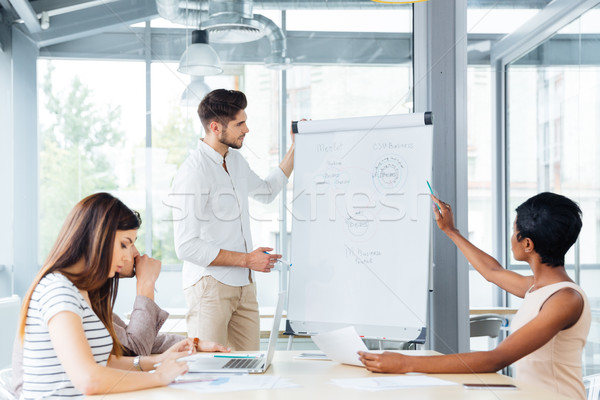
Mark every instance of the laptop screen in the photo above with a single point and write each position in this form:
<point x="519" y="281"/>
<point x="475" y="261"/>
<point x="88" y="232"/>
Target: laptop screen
<point x="275" y="329"/>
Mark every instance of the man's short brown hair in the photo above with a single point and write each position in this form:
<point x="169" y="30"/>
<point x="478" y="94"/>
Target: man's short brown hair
<point x="222" y="106"/>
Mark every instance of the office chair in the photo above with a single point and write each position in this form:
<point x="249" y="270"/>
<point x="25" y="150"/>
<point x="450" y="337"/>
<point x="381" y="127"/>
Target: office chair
<point x="592" y="386"/>
<point x="486" y="325"/>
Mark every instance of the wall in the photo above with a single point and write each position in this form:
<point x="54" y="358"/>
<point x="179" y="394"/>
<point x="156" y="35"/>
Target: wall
<point x="6" y="163"/>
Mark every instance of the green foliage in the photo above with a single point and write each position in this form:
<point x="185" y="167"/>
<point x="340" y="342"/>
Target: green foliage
<point x="80" y="140"/>
<point x="177" y="136"/>
<point x="75" y="153"/>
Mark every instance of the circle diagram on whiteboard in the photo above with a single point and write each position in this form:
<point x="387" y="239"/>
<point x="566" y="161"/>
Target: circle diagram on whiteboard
<point x="360" y="226"/>
<point x="390" y="173"/>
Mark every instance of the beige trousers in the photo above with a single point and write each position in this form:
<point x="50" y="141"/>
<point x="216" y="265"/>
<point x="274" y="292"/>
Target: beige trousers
<point x="224" y="314"/>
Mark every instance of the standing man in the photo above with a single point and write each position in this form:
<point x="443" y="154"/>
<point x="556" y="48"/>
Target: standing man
<point x="212" y="225"/>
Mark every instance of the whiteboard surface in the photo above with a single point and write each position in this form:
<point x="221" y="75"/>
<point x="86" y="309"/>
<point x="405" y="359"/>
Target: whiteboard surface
<point x="361" y="226"/>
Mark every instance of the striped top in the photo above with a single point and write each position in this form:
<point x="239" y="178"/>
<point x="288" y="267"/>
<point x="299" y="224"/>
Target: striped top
<point x="43" y="375"/>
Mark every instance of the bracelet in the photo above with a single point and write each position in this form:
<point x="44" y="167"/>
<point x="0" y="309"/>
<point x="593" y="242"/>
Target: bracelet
<point x="136" y="363"/>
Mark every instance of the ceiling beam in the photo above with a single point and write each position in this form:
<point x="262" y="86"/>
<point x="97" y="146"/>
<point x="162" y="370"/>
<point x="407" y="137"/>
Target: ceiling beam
<point x="49" y="5"/>
<point x="324" y="48"/>
<point x="56" y="7"/>
<point x="304" y="47"/>
<point x="94" y="20"/>
<point x="27" y="14"/>
<point x="308" y="48"/>
<point x="7" y="12"/>
<point x="539" y="28"/>
<point x="508" y="4"/>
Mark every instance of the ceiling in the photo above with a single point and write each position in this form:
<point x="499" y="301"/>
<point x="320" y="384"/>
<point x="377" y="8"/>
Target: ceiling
<point x="54" y="21"/>
<point x="101" y="28"/>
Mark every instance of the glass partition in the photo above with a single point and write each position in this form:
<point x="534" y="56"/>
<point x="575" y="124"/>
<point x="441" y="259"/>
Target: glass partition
<point x="487" y="22"/>
<point x="481" y="292"/>
<point x="553" y="98"/>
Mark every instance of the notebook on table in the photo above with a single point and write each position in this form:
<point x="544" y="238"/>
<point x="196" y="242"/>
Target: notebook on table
<point x="238" y="363"/>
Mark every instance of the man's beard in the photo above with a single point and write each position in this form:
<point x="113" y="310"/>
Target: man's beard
<point x="227" y="140"/>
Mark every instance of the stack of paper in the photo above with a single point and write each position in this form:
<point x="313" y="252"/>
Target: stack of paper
<point x="312" y="356"/>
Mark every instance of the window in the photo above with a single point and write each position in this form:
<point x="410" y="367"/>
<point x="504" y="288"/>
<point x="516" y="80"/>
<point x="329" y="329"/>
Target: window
<point x="96" y="133"/>
<point x="487" y="22"/>
<point x="90" y="133"/>
<point x="481" y="292"/>
<point x="553" y="94"/>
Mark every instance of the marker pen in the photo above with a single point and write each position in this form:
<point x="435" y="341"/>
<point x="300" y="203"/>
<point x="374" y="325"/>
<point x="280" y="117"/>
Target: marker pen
<point x="431" y="190"/>
<point x="281" y="260"/>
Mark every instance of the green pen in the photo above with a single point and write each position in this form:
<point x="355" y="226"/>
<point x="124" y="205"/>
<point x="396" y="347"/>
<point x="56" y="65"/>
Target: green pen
<point x="431" y="190"/>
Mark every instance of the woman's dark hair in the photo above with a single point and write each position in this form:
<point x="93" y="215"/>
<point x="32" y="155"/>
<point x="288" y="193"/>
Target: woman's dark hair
<point x="552" y="222"/>
<point x="89" y="234"/>
<point x="221" y="105"/>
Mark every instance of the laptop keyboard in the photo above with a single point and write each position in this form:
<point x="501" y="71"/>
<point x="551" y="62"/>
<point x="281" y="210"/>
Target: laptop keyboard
<point x="243" y="363"/>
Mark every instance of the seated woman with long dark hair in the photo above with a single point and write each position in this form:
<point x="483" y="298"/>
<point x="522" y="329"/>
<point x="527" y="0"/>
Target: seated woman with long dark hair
<point x="70" y="348"/>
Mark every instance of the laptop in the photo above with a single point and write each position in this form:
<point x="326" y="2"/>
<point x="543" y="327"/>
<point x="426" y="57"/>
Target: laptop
<point x="238" y="363"/>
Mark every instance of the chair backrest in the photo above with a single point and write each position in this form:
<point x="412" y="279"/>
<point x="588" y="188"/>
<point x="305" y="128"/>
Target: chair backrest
<point x="486" y="325"/>
<point x="9" y="315"/>
<point x="6" y="385"/>
<point x="592" y="386"/>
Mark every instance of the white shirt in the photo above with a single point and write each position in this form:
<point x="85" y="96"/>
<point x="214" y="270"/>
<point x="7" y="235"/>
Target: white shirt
<point x="43" y="374"/>
<point x="210" y="211"/>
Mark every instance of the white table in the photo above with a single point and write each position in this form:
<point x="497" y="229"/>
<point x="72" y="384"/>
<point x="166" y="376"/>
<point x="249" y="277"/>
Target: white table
<point x="315" y="380"/>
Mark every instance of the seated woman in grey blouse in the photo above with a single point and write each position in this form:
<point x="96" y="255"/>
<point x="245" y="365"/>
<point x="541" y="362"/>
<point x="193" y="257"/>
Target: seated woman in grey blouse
<point x="141" y="336"/>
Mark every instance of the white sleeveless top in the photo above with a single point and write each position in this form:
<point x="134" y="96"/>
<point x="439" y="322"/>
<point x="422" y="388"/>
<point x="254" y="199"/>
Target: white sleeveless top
<point x="557" y="364"/>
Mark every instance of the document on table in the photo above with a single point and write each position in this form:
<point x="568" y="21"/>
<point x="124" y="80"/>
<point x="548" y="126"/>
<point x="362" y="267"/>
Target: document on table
<point x="230" y="383"/>
<point x="341" y="345"/>
<point x="312" y="356"/>
<point x="392" y="382"/>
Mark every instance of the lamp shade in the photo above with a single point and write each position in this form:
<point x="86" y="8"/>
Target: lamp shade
<point x="194" y="92"/>
<point x="199" y="58"/>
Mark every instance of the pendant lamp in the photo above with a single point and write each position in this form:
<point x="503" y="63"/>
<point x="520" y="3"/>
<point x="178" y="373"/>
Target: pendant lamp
<point x="200" y="59"/>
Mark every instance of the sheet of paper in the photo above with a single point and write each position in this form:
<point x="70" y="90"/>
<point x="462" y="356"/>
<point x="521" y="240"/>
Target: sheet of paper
<point x="341" y="345"/>
<point x="392" y="382"/>
<point x="232" y="383"/>
<point x="202" y="376"/>
<point x="312" y="356"/>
